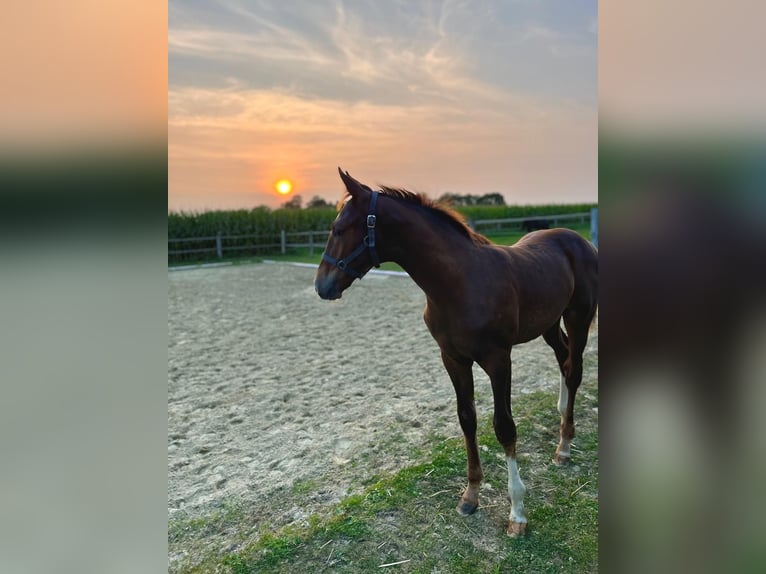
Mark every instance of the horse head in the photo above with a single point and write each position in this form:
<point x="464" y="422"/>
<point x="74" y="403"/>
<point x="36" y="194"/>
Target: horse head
<point x="351" y="249"/>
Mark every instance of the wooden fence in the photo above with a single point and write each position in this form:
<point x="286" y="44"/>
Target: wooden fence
<point x="272" y="243"/>
<point x="264" y="243"/>
<point x="518" y="222"/>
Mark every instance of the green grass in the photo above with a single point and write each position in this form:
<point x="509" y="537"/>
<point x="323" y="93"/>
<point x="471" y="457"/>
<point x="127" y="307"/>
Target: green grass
<point x="411" y="515"/>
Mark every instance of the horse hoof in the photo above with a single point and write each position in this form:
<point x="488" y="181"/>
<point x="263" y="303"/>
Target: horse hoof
<point x="561" y="459"/>
<point x="465" y="508"/>
<point x="516" y="529"/>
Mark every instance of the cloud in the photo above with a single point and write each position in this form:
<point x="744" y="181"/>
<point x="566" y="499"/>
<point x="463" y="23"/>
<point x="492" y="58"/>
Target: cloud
<point x="250" y="138"/>
<point x="223" y="45"/>
<point x="411" y="91"/>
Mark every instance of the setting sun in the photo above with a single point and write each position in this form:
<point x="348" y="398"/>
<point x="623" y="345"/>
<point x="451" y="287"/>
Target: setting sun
<point x="284" y="186"/>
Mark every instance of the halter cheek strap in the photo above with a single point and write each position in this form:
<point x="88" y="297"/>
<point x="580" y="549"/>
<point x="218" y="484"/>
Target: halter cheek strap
<point x="367" y="243"/>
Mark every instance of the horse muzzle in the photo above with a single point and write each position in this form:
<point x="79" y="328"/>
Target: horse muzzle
<point x="327" y="288"/>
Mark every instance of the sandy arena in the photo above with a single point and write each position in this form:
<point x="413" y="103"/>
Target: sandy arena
<point x="270" y="387"/>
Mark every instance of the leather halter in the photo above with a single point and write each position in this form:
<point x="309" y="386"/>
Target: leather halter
<point x="367" y="243"/>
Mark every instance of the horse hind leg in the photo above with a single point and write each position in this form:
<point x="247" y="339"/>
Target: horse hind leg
<point x="558" y="341"/>
<point x="461" y="375"/>
<point x="577" y="323"/>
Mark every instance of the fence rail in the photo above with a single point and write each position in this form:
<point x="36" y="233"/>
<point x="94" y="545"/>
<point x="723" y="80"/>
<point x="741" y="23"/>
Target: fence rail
<point x="267" y="243"/>
<point x="582" y="217"/>
<point x="217" y="243"/>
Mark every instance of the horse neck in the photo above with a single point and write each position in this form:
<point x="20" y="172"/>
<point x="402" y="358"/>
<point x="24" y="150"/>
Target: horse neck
<point x="433" y="253"/>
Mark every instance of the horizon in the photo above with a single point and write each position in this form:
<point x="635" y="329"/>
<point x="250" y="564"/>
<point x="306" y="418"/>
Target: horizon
<point x="434" y="97"/>
<point x="328" y="196"/>
<point x="334" y="204"/>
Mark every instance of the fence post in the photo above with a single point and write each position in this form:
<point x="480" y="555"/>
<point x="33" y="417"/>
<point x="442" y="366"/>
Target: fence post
<point x="311" y="243"/>
<point x="594" y="226"/>
<point x="283" y="241"/>
<point x="218" y="245"/>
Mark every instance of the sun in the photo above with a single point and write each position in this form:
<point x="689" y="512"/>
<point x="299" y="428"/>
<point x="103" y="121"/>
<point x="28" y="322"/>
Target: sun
<point x="284" y="186"/>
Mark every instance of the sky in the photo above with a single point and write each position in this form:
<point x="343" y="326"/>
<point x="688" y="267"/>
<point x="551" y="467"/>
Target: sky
<point x="477" y="96"/>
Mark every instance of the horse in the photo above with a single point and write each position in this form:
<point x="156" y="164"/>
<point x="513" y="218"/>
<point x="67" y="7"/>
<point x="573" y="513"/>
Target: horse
<point x="481" y="300"/>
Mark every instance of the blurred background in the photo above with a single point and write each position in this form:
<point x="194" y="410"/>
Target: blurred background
<point x="682" y="245"/>
<point x="83" y="183"/>
<point x="83" y="206"/>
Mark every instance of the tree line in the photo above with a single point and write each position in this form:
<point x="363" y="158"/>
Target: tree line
<point x="455" y="199"/>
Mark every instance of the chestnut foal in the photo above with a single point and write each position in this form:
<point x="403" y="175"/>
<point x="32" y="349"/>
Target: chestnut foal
<point x="481" y="299"/>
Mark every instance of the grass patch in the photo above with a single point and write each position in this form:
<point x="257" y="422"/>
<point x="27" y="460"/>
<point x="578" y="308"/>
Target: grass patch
<point x="410" y="515"/>
<point x="190" y="527"/>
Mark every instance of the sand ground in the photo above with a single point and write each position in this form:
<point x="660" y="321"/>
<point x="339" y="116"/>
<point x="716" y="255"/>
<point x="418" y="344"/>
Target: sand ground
<point x="270" y="387"/>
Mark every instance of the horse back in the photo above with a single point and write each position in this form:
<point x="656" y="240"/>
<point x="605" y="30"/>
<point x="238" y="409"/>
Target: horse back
<point x="550" y="245"/>
<point x="514" y="294"/>
<point x="552" y="270"/>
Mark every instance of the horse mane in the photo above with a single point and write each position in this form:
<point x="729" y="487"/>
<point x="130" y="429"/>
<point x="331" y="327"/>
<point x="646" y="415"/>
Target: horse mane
<point x="439" y="208"/>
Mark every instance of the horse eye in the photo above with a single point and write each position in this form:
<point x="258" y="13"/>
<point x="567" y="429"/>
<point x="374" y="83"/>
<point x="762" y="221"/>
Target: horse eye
<point x="336" y="232"/>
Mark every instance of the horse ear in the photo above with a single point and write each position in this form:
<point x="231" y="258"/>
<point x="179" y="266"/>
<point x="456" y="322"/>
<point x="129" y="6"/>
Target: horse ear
<point x="353" y="186"/>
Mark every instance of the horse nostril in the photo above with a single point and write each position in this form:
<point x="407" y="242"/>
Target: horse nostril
<point x="327" y="289"/>
<point x="322" y="288"/>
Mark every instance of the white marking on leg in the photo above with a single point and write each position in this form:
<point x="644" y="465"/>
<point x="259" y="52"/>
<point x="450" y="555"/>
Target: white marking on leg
<point x="563" y="448"/>
<point x="517" y="490"/>
<point x="563" y="396"/>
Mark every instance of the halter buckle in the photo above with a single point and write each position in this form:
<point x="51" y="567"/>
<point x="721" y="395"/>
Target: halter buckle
<point x="371" y="221"/>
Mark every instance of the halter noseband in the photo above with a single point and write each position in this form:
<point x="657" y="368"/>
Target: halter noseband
<point x="367" y="243"/>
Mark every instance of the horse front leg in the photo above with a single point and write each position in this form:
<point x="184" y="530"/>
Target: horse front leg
<point x="498" y="367"/>
<point x="461" y="375"/>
